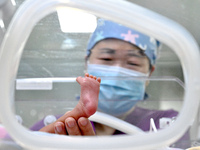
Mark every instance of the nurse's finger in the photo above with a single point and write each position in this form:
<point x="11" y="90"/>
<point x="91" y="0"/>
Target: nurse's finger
<point x="59" y="128"/>
<point x="72" y="127"/>
<point x="85" y="126"/>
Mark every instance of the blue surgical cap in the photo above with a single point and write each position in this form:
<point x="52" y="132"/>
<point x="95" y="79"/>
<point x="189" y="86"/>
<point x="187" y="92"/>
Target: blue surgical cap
<point x="108" y="29"/>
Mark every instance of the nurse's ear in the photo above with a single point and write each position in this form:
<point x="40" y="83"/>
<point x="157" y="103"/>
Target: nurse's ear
<point x="86" y="58"/>
<point x="151" y="70"/>
<point x="86" y="62"/>
<point x="150" y="73"/>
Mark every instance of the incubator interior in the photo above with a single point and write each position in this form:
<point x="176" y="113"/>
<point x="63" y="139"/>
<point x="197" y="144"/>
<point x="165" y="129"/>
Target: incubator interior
<point x="53" y="58"/>
<point x="51" y="61"/>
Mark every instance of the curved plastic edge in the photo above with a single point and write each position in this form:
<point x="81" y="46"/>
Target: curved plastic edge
<point x="143" y="20"/>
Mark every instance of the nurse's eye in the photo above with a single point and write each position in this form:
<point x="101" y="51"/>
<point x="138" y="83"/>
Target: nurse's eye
<point x="106" y="59"/>
<point x="133" y="64"/>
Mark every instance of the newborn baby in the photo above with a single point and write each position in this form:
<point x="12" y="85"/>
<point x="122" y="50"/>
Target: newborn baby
<point x="86" y="107"/>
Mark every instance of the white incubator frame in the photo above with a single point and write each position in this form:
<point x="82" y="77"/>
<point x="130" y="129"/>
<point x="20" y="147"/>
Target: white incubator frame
<point x="131" y="15"/>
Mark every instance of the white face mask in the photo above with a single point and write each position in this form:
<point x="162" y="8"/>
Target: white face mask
<point x="118" y="96"/>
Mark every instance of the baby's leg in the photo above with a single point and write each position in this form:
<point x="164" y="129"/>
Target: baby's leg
<point x="88" y="103"/>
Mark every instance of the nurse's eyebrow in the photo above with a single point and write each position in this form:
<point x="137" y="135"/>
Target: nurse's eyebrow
<point x="107" y="50"/>
<point x="136" y="52"/>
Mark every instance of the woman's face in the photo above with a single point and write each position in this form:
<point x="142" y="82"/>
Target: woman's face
<point x="116" y="52"/>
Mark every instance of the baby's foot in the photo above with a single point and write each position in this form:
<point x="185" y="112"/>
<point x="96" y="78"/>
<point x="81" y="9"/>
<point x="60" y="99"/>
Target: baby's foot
<point x="89" y="94"/>
<point x="88" y="103"/>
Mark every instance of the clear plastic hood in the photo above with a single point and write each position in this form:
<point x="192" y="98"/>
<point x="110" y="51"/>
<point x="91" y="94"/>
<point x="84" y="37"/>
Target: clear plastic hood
<point x="38" y="78"/>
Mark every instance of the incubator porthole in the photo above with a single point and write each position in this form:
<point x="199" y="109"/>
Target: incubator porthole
<point x="49" y="119"/>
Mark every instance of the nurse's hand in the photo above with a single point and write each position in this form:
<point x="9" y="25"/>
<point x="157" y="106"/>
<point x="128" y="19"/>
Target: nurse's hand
<point x="72" y="127"/>
<point x="75" y="122"/>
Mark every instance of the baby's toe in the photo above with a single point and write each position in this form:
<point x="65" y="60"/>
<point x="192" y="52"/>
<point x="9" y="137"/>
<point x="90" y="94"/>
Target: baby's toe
<point x="99" y="80"/>
<point x="95" y="77"/>
<point x="86" y="74"/>
<point x="91" y="76"/>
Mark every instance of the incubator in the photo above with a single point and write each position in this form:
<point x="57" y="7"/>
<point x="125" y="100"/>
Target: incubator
<point x="43" y="52"/>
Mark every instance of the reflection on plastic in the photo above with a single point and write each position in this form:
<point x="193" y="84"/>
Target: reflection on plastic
<point x="40" y="83"/>
<point x="167" y="31"/>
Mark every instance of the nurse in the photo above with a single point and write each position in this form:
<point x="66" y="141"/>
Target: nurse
<point x="118" y="51"/>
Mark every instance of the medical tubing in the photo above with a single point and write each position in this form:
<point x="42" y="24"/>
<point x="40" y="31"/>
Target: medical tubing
<point x="115" y="123"/>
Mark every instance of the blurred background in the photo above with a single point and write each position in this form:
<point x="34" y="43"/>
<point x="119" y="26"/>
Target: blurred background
<point x="50" y="52"/>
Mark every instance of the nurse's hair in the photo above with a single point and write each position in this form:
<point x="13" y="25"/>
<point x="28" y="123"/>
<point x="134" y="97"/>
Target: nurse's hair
<point x="107" y="29"/>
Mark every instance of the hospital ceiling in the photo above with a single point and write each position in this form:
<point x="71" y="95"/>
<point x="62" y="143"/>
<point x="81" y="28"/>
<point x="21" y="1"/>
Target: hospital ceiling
<point x="185" y="12"/>
<point x="46" y="36"/>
